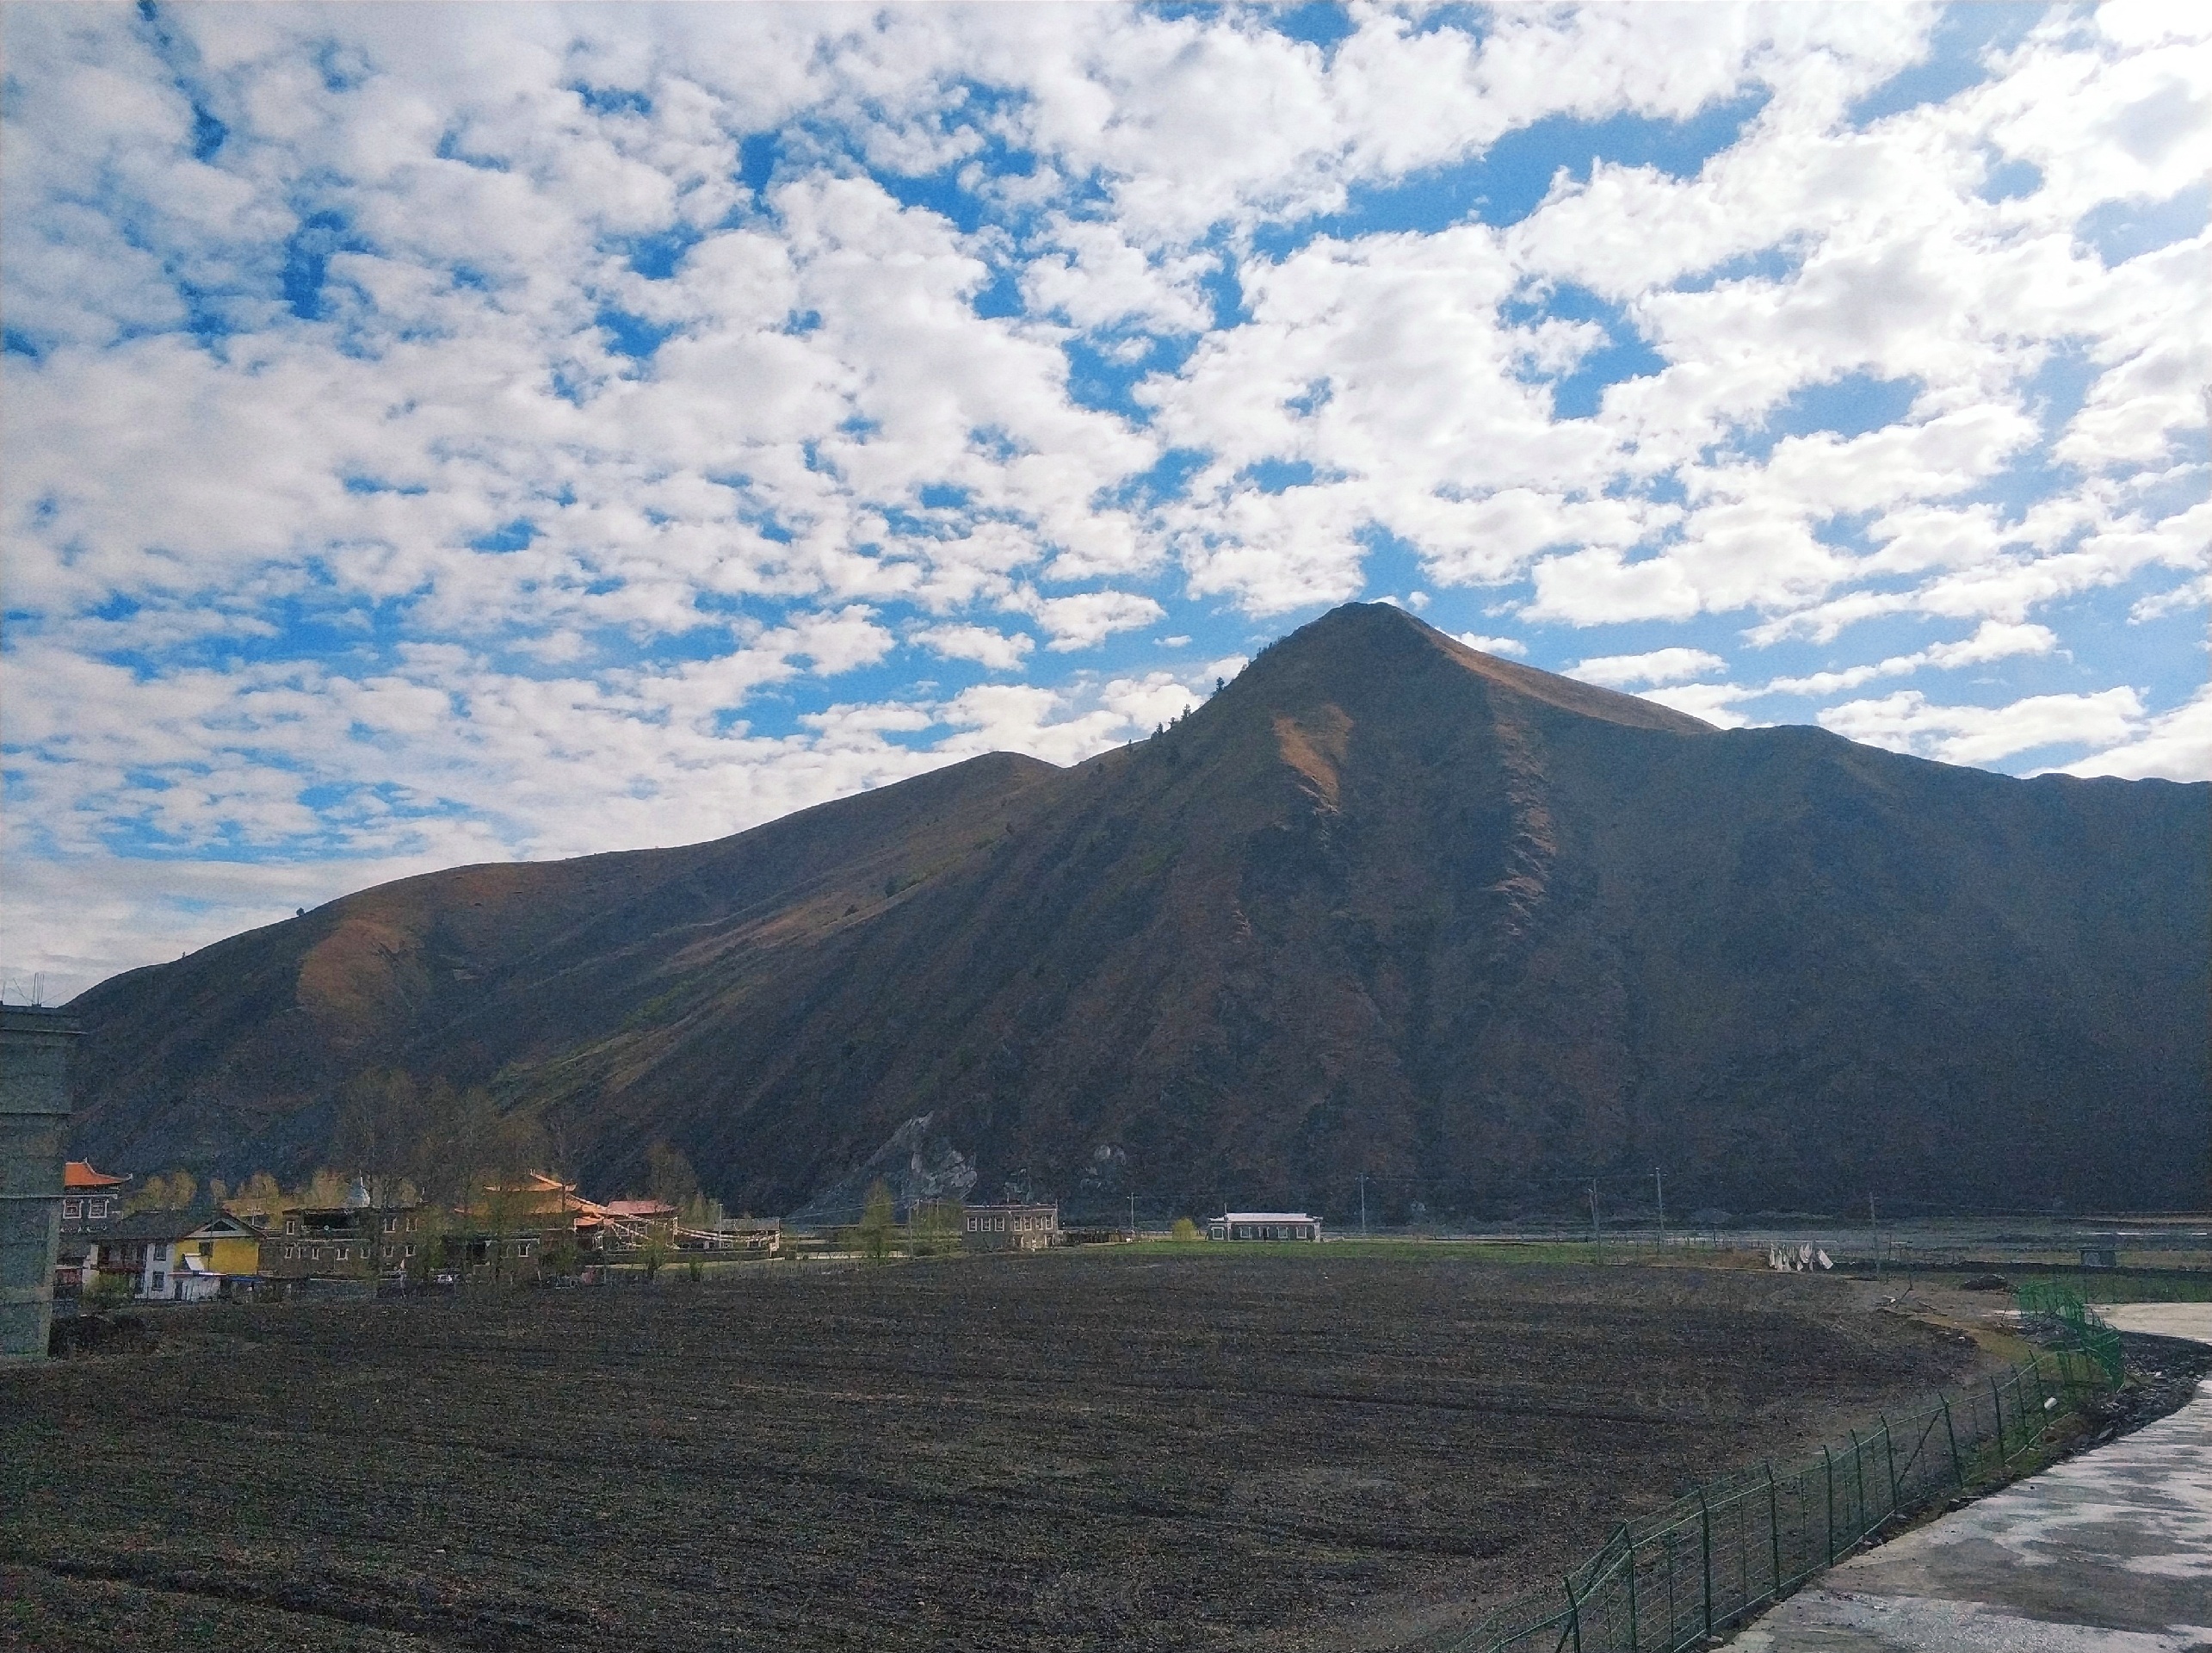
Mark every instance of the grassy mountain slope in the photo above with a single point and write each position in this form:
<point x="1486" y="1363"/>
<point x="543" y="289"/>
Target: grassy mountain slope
<point x="1384" y="904"/>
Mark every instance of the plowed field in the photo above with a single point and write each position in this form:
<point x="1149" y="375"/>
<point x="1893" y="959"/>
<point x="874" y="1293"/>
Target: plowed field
<point x="1150" y="1448"/>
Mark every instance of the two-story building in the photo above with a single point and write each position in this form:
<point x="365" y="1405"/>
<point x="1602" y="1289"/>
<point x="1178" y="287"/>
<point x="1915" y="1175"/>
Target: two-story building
<point x="349" y="1242"/>
<point x="1011" y="1228"/>
<point x="177" y="1256"/>
<point x="89" y="1196"/>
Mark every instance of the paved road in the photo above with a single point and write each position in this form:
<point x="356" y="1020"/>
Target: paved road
<point x="2109" y="1553"/>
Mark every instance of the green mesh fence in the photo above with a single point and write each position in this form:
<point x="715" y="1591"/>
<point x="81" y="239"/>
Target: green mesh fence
<point x="1714" y="1558"/>
<point x="2056" y="1309"/>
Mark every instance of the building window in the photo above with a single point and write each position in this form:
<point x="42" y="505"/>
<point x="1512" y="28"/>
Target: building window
<point x="409" y="1250"/>
<point x="207" y="1248"/>
<point x="410" y="1225"/>
<point x="392" y="1225"/>
<point x="292" y="1225"/>
<point x="72" y="1208"/>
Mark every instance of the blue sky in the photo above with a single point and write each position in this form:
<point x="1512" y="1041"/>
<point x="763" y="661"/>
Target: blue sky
<point x="454" y="434"/>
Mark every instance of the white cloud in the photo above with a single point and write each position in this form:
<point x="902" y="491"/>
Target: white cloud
<point x="2174" y="746"/>
<point x="1713" y="702"/>
<point x="999" y="650"/>
<point x="2190" y="594"/>
<point x="1063" y="726"/>
<point x="1660" y="665"/>
<point x="1088" y="618"/>
<point x="1591" y="588"/>
<point x="1097" y="279"/>
<point x="1905" y="721"/>
<point x="1492" y="645"/>
<point x="428" y="545"/>
<point x="1993" y="641"/>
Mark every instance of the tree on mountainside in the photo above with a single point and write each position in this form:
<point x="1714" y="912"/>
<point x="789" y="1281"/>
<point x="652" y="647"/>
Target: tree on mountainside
<point x="669" y="1176"/>
<point x="384" y="1117"/>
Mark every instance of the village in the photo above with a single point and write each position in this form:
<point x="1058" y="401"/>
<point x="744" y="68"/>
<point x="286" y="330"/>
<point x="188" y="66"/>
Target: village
<point x="165" y="1241"/>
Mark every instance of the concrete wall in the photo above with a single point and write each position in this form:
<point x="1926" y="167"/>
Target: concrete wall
<point x="34" y="1046"/>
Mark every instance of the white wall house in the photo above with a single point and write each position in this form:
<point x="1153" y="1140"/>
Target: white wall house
<point x="1264" y="1225"/>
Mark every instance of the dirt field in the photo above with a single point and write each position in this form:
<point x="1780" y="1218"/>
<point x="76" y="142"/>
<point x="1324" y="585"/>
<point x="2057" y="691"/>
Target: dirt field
<point x="1160" y="1448"/>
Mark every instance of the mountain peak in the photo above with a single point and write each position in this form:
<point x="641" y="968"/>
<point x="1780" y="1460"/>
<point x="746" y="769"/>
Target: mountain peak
<point x="1386" y="909"/>
<point x="1356" y="638"/>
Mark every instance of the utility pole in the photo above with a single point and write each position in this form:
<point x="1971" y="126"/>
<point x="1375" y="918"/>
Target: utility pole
<point x="1362" y="1205"/>
<point x="1133" y="1216"/>
<point x="1874" y="1233"/>
<point x="1659" y="1186"/>
<point x="1597" y="1234"/>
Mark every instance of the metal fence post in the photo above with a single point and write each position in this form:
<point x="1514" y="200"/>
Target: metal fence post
<point x="1705" y="1543"/>
<point x="1674" y="1607"/>
<point x="1774" y="1526"/>
<point x="1859" y="1480"/>
<point x="1998" y="1402"/>
<point x="1573" y="1613"/>
<point x="1889" y="1453"/>
<point x="1635" y="1641"/>
<point x="1828" y="1459"/>
<point x="1958" y="1469"/>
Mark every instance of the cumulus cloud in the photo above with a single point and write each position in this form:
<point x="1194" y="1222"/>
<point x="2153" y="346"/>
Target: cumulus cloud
<point x="2176" y="746"/>
<point x="1512" y="646"/>
<point x="448" y="434"/>
<point x="1088" y="618"/>
<point x="1907" y="722"/>
<point x="1660" y="665"/>
<point x="1001" y="651"/>
<point x="1715" y="702"/>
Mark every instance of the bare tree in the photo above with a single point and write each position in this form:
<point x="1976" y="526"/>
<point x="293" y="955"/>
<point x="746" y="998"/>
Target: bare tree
<point x="877" y="1221"/>
<point x="669" y="1176"/>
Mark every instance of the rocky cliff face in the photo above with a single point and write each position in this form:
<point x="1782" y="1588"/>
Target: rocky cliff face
<point x="1384" y="905"/>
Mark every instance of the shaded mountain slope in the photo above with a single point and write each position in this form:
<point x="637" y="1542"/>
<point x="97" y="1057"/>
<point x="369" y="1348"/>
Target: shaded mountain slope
<point x="1385" y="904"/>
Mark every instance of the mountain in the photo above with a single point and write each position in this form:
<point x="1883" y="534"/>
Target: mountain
<point x="1384" y="905"/>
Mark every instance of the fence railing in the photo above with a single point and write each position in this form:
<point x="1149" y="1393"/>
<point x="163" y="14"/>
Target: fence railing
<point x="2058" y="1310"/>
<point x="1714" y="1557"/>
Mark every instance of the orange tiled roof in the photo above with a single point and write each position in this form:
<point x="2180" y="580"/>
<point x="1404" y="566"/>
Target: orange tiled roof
<point x="641" y="1208"/>
<point x="538" y="1186"/>
<point x="79" y="1174"/>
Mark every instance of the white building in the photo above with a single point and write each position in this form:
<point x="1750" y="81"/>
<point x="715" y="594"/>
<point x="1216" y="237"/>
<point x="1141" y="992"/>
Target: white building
<point x="1264" y="1225"/>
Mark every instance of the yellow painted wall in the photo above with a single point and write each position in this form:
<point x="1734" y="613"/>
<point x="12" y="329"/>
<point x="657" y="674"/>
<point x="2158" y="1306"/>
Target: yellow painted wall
<point x="233" y="1254"/>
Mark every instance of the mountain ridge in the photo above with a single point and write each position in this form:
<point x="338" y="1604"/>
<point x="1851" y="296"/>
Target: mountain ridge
<point x="1384" y="905"/>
